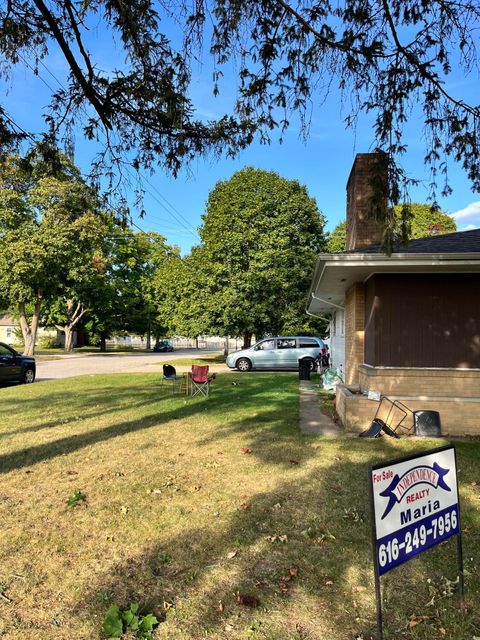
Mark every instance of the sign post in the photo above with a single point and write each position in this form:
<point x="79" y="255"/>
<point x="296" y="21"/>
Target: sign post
<point x="414" y="505"/>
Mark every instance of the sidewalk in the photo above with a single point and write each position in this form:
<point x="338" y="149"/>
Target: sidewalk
<point x="311" y="420"/>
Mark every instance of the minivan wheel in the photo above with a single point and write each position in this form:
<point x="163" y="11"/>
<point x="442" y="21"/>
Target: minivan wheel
<point x="311" y="363"/>
<point x="28" y="376"/>
<point x="244" y="364"/>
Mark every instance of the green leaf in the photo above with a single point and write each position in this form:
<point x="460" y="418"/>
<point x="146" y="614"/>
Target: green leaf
<point x="130" y="619"/>
<point x="113" y="625"/>
<point x="74" y="499"/>
<point x="147" y="623"/>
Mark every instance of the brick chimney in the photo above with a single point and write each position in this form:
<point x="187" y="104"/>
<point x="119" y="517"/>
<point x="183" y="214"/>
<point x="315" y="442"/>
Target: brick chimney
<point x="366" y="196"/>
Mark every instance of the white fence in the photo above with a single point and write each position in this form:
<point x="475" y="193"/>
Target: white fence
<point x="205" y="343"/>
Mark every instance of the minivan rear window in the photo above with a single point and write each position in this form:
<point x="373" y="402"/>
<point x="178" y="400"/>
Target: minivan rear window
<point x="305" y="343"/>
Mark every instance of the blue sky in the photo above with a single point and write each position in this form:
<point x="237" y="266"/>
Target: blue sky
<point x="174" y="206"/>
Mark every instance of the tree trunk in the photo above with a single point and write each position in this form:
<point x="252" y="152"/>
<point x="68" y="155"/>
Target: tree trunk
<point x="149" y="339"/>
<point x="68" y="338"/>
<point x="247" y="340"/>
<point x="29" y="330"/>
<point x="225" y="347"/>
<point x="103" y="342"/>
<point x="74" y="313"/>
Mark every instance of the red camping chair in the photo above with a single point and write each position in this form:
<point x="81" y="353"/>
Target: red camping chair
<point x="200" y="380"/>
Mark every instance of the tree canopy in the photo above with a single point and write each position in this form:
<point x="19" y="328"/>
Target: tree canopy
<point x="260" y="236"/>
<point x="422" y="221"/>
<point x="386" y="57"/>
<point x="51" y="236"/>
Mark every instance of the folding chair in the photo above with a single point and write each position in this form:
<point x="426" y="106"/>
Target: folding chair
<point x="170" y="376"/>
<point x="200" y="380"/>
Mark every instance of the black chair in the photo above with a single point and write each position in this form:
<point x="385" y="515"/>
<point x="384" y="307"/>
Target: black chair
<point x="170" y="376"/>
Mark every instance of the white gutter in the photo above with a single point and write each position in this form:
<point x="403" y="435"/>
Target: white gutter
<point x="328" y="302"/>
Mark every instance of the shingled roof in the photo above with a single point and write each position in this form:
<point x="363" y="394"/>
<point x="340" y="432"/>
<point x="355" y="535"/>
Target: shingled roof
<point x="458" y="242"/>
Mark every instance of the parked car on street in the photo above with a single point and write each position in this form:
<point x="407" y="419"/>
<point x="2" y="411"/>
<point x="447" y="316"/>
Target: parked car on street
<point x="163" y="346"/>
<point x="14" y="367"/>
<point x="282" y="352"/>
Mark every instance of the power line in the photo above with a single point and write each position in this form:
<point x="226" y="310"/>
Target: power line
<point x="174" y="213"/>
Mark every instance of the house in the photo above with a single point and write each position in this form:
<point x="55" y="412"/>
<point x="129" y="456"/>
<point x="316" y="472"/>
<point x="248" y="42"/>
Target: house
<point x="8" y="326"/>
<point x="412" y="319"/>
<point x="10" y="332"/>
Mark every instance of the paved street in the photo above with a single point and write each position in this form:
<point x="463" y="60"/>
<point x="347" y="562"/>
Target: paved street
<point x="85" y="364"/>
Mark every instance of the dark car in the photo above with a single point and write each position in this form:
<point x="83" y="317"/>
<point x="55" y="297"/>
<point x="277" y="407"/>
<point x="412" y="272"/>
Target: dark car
<point x="14" y="367"/>
<point x="163" y="346"/>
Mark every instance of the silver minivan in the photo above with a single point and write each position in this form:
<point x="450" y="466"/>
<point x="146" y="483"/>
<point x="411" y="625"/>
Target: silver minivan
<point x="282" y="352"/>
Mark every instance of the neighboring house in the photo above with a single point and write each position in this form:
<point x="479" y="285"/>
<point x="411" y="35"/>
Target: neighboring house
<point x="10" y="332"/>
<point x="8" y="326"/>
<point x="412" y="319"/>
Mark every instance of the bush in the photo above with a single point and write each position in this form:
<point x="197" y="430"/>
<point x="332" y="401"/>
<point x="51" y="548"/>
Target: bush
<point x="47" y="342"/>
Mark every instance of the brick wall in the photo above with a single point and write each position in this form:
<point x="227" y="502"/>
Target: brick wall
<point x="364" y="196"/>
<point x="354" y="332"/>
<point x="458" y="416"/>
<point x="456" y="383"/>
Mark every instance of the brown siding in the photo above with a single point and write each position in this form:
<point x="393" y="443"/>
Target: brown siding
<point x="370" y="317"/>
<point x="427" y="320"/>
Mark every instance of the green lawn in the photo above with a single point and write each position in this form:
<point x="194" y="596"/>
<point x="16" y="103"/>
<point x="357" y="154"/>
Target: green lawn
<point x="216" y="514"/>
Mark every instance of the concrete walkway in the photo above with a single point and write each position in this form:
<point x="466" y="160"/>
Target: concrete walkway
<point x="312" y="421"/>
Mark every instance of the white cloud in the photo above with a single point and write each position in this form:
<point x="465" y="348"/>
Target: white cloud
<point x="470" y="216"/>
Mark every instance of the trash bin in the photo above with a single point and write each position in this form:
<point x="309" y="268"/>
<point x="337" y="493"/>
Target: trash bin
<point x="304" y="369"/>
<point x="427" y="424"/>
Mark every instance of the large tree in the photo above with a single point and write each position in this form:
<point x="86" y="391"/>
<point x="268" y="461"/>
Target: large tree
<point x="422" y="221"/>
<point x="125" y="299"/>
<point x="385" y="56"/>
<point x="50" y="237"/>
<point x="260" y="236"/>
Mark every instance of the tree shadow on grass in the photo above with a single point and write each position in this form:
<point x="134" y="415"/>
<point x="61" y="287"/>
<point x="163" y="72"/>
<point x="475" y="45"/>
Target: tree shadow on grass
<point x="331" y="595"/>
<point x="216" y="406"/>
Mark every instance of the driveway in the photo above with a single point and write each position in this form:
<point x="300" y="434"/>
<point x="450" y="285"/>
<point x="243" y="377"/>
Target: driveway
<point x="85" y="364"/>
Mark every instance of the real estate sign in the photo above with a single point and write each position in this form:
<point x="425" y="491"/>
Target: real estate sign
<point x="414" y="505"/>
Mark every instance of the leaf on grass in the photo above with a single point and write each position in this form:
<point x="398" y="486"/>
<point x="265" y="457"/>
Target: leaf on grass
<point x="124" y="510"/>
<point x="283" y="585"/>
<point x="194" y="488"/>
<point x="293" y="572"/>
<point x="416" y="620"/>
<point x="231" y="554"/>
<point x="220" y="607"/>
<point x="157" y="492"/>
<point x="245" y="450"/>
<point x="275" y="538"/>
<point x="294" y="462"/>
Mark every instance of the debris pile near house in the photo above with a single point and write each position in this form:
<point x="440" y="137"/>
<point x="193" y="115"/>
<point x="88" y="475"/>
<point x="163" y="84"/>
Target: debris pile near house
<point x="394" y="417"/>
<point x="390" y="418"/>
